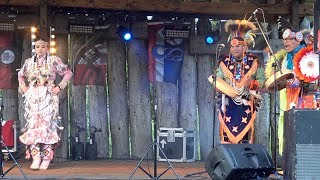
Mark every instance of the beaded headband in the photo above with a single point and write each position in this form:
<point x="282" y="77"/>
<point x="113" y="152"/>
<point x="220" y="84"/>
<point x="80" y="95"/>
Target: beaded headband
<point x="40" y="41"/>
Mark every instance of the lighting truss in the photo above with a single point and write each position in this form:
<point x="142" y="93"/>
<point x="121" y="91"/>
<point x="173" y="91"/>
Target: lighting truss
<point x="81" y="28"/>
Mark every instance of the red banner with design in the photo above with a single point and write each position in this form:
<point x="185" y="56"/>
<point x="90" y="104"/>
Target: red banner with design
<point x="8" y="61"/>
<point x="90" y="75"/>
<point x="89" y="60"/>
<point x="318" y="40"/>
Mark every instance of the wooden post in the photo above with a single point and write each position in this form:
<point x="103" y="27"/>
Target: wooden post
<point x="78" y="95"/>
<point x="316" y="25"/>
<point x="188" y="89"/>
<point x="316" y="31"/>
<point x="25" y="54"/>
<point x="262" y="122"/>
<point x="295" y="14"/>
<point x="139" y="98"/>
<point x="205" y="98"/>
<point x="10" y="103"/>
<point x="43" y="29"/>
<point x="61" y="153"/>
<point x="118" y="99"/>
<point x="97" y="111"/>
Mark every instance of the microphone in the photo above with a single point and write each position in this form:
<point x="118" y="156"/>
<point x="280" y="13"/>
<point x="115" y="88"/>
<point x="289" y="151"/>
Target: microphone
<point x="221" y="45"/>
<point x="254" y="13"/>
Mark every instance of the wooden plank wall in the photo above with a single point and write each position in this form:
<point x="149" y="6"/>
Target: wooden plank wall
<point x="124" y="109"/>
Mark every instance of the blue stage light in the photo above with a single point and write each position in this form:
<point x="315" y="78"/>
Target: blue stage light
<point x="124" y="33"/>
<point x="212" y="37"/>
<point x="127" y="36"/>
<point x="210" y="40"/>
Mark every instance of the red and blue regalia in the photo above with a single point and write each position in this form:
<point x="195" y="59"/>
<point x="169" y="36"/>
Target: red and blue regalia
<point x="240" y="73"/>
<point x="237" y="114"/>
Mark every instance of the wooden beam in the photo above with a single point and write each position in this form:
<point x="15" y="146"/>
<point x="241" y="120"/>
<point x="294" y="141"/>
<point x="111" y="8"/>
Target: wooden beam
<point x="156" y="6"/>
<point x="20" y="3"/>
<point x="174" y="6"/>
<point x="170" y="6"/>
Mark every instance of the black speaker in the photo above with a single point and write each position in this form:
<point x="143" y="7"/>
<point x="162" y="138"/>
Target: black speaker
<point x="239" y="161"/>
<point x="91" y="151"/>
<point x="78" y="151"/>
<point x="301" y="153"/>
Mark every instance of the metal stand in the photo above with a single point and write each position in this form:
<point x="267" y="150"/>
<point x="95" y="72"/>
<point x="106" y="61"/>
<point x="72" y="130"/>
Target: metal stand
<point x="2" y="173"/>
<point x="276" y="67"/>
<point x="155" y="145"/>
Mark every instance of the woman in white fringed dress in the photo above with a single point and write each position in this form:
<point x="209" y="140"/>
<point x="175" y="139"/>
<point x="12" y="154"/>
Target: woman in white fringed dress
<point x="36" y="83"/>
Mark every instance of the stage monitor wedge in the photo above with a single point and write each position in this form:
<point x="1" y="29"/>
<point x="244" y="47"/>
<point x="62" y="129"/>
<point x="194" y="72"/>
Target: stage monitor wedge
<point x="239" y="162"/>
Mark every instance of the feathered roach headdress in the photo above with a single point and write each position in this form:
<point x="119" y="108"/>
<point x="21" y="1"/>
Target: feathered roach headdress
<point x="241" y="32"/>
<point x="308" y="36"/>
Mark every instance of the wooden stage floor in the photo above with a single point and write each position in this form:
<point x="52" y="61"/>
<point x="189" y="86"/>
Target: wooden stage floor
<point x="104" y="169"/>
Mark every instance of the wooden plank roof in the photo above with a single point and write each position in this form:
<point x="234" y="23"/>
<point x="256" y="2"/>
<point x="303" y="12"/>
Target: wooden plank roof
<point x="212" y="7"/>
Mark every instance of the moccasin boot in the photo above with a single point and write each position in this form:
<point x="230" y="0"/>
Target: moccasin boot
<point x="47" y="156"/>
<point x="35" y="153"/>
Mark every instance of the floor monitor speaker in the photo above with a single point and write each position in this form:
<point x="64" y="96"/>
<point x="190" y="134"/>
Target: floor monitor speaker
<point x="239" y="161"/>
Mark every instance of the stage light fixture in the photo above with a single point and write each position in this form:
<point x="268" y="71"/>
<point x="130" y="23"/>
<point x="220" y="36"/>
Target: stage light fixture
<point x="52" y="43"/>
<point x="53" y="50"/>
<point x="33" y="30"/>
<point x="6" y="27"/>
<point x="81" y="29"/>
<point x="212" y="37"/>
<point x="149" y="18"/>
<point x="124" y="33"/>
<point x="180" y="30"/>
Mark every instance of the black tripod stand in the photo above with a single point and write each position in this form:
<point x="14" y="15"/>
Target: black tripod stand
<point x="2" y="173"/>
<point x="155" y="145"/>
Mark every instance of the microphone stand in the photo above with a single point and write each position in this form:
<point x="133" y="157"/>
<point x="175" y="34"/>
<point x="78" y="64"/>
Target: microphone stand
<point x="155" y="146"/>
<point x="218" y="51"/>
<point x="276" y="67"/>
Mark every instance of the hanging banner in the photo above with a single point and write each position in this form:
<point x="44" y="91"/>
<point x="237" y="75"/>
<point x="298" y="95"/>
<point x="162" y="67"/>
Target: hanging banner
<point x="165" y="55"/>
<point x="89" y="60"/>
<point x="8" y="61"/>
<point x="318" y="42"/>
